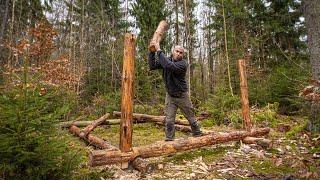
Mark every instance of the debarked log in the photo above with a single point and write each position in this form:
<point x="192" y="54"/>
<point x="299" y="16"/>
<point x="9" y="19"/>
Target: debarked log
<point x="91" y="139"/>
<point x="140" y="164"/>
<point x="93" y="125"/>
<point x="160" y="148"/>
<point x="145" y="117"/>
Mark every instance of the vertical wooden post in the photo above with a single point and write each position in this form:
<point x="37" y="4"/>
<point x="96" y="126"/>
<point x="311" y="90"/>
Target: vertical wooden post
<point x="244" y="94"/>
<point x="125" y="144"/>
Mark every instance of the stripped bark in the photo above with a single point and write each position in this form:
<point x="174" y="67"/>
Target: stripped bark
<point x="102" y="157"/>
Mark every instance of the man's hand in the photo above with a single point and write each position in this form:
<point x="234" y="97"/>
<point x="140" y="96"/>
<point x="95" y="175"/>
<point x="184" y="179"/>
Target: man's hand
<point x="156" y="45"/>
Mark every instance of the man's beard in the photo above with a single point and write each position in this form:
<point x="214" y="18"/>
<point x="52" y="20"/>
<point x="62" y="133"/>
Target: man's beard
<point x="178" y="59"/>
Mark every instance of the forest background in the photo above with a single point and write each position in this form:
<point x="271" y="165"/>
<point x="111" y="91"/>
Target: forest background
<point x="61" y="60"/>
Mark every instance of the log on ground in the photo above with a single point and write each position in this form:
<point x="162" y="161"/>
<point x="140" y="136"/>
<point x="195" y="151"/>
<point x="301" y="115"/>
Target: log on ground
<point x="160" y="148"/>
<point x="93" y="125"/>
<point x="265" y="143"/>
<point x="67" y="124"/>
<point x="91" y="139"/>
<point x="138" y="163"/>
<point x="145" y="117"/>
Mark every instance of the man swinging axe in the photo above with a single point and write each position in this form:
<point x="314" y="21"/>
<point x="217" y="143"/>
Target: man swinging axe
<point x="174" y="70"/>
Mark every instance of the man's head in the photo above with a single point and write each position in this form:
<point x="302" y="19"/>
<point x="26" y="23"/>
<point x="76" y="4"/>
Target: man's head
<point x="177" y="53"/>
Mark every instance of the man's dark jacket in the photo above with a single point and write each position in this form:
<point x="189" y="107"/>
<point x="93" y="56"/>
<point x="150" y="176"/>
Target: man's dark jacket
<point x="174" y="72"/>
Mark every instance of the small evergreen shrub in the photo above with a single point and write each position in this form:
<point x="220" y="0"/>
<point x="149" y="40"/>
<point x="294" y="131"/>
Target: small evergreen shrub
<point x="219" y="104"/>
<point x="29" y="141"/>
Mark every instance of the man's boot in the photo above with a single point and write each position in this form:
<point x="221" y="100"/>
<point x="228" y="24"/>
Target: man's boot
<point x="196" y="132"/>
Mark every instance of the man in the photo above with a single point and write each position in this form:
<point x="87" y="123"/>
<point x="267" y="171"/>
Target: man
<point x="174" y="76"/>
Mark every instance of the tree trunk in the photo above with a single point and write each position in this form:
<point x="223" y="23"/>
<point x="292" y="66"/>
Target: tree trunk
<point x="158" y="35"/>
<point x="102" y="157"/>
<point x="127" y="93"/>
<point x="244" y="94"/>
<point x="176" y="26"/>
<point x="312" y="16"/>
<point x="4" y="19"/>
<point x="226" y="47"/>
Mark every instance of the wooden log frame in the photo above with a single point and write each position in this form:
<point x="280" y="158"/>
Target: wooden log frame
<point x="143" y="165"/>
<point x="151" y="118"/>
<point x="158" y="35"/>
<point x="160" y="148"/>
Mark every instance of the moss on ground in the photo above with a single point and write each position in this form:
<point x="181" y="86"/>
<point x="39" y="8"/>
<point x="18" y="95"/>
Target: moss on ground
<point x="208" y="155"/>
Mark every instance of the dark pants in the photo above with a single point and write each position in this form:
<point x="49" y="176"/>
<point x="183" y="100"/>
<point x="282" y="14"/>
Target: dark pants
<point x="185" y="105"/>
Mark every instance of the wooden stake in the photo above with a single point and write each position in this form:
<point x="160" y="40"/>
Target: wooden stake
<point x="244" y="94"/>
<point x="158" y="35"/>
<point x="125" y="144"/>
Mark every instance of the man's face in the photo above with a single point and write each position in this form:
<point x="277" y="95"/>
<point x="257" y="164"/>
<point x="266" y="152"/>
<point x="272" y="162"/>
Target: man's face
<point x="178" y="53"/>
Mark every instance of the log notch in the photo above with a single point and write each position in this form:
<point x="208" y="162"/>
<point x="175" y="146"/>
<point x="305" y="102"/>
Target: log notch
<point x="244" y="94"/>
<point x="101" y="157"/>
<point x="145" y="117"/>
<point x="93" y="125"/>
<point x="158" y="35"/>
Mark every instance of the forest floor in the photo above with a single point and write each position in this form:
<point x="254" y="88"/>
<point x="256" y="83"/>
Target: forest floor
<point x="292" y="156"/>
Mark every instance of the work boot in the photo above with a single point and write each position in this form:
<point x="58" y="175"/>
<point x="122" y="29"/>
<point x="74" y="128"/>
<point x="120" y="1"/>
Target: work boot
<point x="196" y="132"/>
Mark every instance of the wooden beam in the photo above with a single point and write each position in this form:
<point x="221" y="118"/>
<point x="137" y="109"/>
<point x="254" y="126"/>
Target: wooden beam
<point x="244" y="94"/>
<point x="102" y="157"/>
<point x="125" y="144"/>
